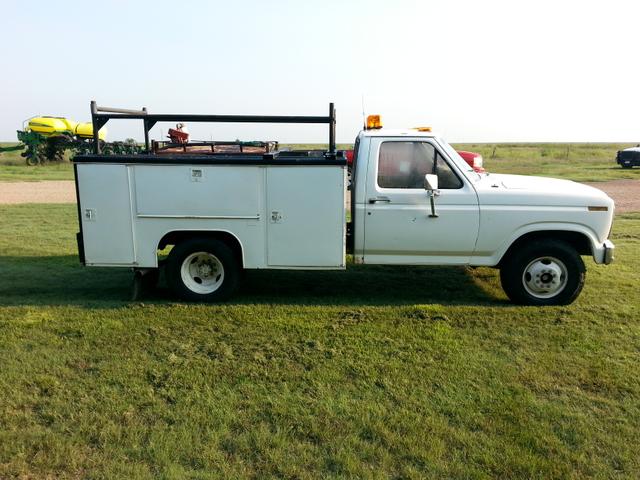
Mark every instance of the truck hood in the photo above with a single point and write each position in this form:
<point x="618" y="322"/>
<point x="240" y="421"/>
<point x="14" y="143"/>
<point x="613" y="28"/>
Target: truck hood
<point x="499" y="189"/>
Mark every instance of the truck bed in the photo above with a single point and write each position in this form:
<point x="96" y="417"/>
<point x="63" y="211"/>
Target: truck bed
<point x="286" y="209"/>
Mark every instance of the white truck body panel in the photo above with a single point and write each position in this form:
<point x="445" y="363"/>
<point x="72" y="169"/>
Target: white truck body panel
<point x="282" y="216"/>
<point x="223" y="191"/>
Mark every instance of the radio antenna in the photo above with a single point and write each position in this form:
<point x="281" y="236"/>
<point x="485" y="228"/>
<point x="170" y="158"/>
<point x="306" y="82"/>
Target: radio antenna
<point x="364" y="118"/>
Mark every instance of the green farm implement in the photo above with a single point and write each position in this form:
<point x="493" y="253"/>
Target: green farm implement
<point x="46" y="139"/>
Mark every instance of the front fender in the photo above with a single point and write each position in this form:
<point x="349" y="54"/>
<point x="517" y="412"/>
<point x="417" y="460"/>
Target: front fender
<point x="494" y="258"/>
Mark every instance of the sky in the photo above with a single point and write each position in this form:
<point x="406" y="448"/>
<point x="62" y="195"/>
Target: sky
<point x="475" y="71"/>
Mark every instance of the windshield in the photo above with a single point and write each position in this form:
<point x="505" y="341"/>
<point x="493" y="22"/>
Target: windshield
<point x="460" y="163"/>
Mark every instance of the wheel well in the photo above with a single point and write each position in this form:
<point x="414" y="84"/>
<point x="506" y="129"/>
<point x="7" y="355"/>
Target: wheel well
<point x="174" y="238"/>
<point x="577" y="240"/>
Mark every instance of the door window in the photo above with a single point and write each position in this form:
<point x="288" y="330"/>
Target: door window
<point x="404" y="165"/>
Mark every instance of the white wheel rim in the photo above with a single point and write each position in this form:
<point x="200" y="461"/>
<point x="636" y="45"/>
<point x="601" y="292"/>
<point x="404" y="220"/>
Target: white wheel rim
<point x="202" y="273"/>
<point x="545" y="277"/>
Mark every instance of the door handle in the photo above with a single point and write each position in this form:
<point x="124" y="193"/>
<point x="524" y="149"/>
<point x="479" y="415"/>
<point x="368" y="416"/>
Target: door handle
<point x="379" y="199"/>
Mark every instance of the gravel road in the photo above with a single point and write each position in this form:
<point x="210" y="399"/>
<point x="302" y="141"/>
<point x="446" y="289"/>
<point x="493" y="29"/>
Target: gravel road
<point x="51" y="191"/>
<point x="626" y="193"/>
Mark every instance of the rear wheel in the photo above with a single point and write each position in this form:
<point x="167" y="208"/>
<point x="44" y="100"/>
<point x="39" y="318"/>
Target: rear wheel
<point x="202" y="270"/>
<point x="544" y="272"/>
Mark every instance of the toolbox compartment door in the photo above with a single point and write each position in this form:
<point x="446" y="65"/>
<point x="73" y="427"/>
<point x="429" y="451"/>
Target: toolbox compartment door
<point x="305" y="216"/>
<point x="105" y="213"/>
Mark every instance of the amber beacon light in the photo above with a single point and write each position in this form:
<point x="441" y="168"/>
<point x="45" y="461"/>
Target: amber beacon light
<point x="373" y="122"/>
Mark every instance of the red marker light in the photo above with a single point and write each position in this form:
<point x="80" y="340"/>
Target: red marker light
<point x="473" y="159"/>
<point x="349" y="156"/>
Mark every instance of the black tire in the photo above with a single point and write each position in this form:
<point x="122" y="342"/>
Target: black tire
<point x="220" y="270"/>
<point x="556" y="267"/>
<point x="144" y="282"/>
<point x="626" y="165"/>
<point x="152" y="278"/>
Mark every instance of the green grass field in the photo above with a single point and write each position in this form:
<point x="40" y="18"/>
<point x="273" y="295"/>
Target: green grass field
<point x="14" y="169"/>
<point x="582" y="162"/>
<point x="576" y="161"/>
<point x="370" y="373"/>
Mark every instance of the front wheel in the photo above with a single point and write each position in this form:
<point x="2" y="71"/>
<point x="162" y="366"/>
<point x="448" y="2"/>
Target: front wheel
<point x="544" y="272"/>
<point x="202" y="270"/>
<point x="32" y="160"/>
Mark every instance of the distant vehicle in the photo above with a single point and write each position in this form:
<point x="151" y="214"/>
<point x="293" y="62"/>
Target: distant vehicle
<point x="473" y="159"/>
<point x="629" y="157"/>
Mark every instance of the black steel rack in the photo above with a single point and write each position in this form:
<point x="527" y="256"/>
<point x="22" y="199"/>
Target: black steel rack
<point x="101" y="115"/>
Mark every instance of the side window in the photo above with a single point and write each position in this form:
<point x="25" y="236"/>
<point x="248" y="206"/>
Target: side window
<point x="404" y="165"/>
<point x="447" y="179"/>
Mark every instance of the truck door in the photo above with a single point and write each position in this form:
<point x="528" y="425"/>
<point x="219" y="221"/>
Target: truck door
<point x="398" y="228"/>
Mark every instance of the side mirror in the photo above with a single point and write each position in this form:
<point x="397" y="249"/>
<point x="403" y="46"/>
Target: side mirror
<point x="431" y="186"/>
<point x="430" y="181"/>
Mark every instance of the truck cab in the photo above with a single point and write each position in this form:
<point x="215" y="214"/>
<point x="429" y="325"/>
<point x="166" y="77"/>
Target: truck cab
<point x="534" y="229"/>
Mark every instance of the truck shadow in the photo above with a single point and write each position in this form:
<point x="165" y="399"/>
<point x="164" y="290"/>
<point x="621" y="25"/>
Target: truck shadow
<point x="365" y="285"/>
<point x="60" y="280"/>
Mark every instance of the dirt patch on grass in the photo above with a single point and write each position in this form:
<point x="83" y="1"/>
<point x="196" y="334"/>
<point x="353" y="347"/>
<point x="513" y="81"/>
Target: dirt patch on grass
<point x="626" y="193"/>
<point x="52" y="191"/>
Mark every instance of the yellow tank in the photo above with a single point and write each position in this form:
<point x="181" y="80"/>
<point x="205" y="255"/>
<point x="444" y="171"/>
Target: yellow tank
<point x="85" y="130"/>
<point x="53" y="126"/>
<point x="50" y="126"/>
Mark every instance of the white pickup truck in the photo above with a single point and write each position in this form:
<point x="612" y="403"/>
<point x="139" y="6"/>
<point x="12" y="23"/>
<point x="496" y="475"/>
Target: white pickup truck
<point x="414" y="201"/>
